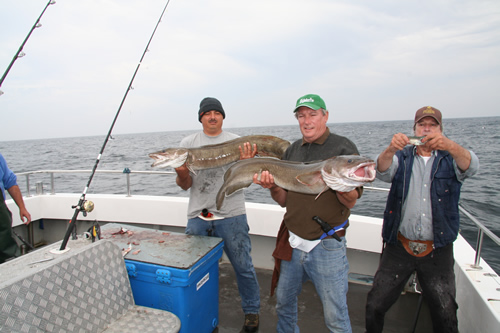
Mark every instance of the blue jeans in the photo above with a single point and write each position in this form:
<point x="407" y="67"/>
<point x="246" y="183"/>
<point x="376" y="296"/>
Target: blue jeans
<point x="327" y="267"/>
<point x="237" y="246"/>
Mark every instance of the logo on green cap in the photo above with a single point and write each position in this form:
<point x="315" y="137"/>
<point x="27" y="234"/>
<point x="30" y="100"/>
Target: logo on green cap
<point x="311" y="101"/>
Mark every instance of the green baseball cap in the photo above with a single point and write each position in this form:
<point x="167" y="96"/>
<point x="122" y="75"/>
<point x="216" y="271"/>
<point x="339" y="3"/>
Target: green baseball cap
<point x="311" y="101"/>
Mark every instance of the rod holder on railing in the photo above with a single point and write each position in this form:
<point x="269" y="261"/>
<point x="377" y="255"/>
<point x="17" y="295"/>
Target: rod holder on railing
<point x="479" y="246"/>
<point x="28" y="185"/>
<point x="128" y="185"/>
<point x="127" y="172"/>
<point x="52" y="188"/>
<point x="39" y="188"/>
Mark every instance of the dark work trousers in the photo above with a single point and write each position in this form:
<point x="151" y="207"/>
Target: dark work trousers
<point x="8" y="245"/>
<point x="436" y="278"/>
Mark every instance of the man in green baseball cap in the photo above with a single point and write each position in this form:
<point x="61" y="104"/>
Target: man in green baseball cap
<point x="326" y="263"/>
<point x="312" y="101"/>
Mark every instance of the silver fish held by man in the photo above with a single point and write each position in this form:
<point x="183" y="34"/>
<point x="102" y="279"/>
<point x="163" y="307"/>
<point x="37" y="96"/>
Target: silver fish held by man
<point x="341" y="173"/>
<point x="416" y="140"/>
<point x="213" y="156"/>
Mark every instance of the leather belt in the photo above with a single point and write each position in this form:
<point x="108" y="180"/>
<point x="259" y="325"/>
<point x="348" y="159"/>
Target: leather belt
<point x="340" y="233"/>
<point x="419" y="248"/>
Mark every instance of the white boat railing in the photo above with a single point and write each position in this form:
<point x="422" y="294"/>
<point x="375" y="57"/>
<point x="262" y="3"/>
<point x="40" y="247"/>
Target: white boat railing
<point x="482" y="229"/>
<point x="125" y="171"/>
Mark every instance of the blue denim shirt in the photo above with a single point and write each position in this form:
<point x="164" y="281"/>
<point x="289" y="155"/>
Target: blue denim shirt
<point x="444" y="195"/>
<point x="7" y="177"/>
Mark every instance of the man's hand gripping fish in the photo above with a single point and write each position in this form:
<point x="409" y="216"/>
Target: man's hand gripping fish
<point x="341" y="173"/>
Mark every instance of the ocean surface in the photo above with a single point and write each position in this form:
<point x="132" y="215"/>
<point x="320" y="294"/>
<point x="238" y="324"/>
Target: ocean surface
<point x="480" y="194"/>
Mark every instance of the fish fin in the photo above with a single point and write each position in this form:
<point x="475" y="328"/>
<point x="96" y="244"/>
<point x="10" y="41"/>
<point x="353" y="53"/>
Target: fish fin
<point x="309" y="178"/>
<point x="190" y="169"/>
<point x="322" y="191"/>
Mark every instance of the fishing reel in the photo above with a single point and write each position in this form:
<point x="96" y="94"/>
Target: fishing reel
<point x="86" y="207"/>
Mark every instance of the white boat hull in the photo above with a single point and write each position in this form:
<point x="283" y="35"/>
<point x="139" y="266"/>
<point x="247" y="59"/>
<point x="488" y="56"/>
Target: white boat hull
<point x="478" y="295"/>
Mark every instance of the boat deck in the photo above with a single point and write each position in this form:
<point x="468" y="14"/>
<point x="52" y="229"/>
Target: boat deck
<point x="399" y="319"/>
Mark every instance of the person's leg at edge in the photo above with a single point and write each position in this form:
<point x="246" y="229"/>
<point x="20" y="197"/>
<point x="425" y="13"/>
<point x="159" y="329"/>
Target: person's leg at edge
<point x="8" y="245"/>
<point x="395" y="268"/>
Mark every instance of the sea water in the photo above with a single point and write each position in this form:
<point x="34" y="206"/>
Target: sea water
<point x="480" y="194"/>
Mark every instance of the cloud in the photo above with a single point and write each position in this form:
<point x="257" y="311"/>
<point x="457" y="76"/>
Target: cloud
<point x="369" y="61"/>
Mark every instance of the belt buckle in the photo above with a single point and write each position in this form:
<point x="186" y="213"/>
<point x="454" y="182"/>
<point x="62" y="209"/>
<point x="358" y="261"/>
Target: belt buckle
<point x="417" y="247"/>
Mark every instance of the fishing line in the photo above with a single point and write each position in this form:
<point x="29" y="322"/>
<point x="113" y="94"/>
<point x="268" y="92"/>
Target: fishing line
<point x="83" y="205"/>
<point x="19" y="53"/>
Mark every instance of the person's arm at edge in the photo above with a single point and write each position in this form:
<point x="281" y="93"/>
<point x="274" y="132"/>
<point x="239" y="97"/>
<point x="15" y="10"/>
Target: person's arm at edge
<point x="16" y="195"/>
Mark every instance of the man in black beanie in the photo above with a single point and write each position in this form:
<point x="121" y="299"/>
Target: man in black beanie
<point x="230" y="222"/>
<point x="208" y="104"/>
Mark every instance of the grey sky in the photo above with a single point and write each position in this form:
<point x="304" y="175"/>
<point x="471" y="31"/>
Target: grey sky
<point x="369" y="60"/>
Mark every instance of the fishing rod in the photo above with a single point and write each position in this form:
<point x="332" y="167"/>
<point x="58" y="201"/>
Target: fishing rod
<point x="84" y="205"/>
<point x="19" y="53"/>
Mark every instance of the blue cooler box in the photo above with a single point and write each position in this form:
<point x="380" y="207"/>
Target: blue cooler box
<point x="172" y="271"/>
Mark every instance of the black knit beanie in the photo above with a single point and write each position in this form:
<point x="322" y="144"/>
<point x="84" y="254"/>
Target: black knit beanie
<point x="209" y="104"/>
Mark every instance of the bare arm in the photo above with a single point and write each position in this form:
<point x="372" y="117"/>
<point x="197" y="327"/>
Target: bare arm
<point x="348" y="199"/>
<point x="398" y="142"/>
<point x="16" y="195"/>
<point x="267" y="181"/>
<point x="183" y="178"/>
<point x="461" y="155"/>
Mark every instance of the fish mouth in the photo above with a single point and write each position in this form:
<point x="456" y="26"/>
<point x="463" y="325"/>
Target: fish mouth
<point x="158" y="161"/>
<point x="164" y="161"/>
<point x="349" y="178"/>
<point x="364" y="172"/>
<point x="167" y="158"/>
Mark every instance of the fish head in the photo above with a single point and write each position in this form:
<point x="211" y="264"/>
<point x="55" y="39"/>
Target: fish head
<point x="170" y="157"/>
<point x="346" y="172"/>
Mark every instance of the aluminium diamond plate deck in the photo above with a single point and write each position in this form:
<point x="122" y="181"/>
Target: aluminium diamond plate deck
<point x="83" y="290"/>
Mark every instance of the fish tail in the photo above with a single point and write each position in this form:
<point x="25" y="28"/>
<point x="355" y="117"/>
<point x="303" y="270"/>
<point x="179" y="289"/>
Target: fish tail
<point x="220" y="199"/>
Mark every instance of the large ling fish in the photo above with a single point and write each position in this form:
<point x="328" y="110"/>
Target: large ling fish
<point x="341" y="173"/>
<point x="213" y="156"/>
